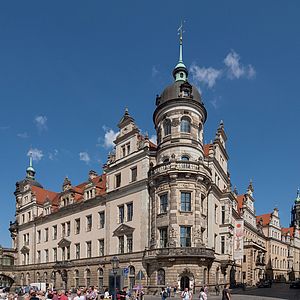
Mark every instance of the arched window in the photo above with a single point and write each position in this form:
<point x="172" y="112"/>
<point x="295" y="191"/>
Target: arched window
<point x="204" y="275"/>
<point x="45" y="277"/>
<point x="161" y="277"/>
<point x="131" y="277"/>
<point x="38" y="277"/>
<point x="87" y="277"/>
<point x="76" y="278"/>
<point x="22" y="279"/>
<point x="185" y="158"/>
<point x="185" y="125"/>
<point x="167" y="127"/>
<point x="100" y="279"/>
<point x="27" y="278"/>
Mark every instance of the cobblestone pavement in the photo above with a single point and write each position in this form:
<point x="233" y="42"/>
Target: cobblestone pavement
<point x="277" y="292"/>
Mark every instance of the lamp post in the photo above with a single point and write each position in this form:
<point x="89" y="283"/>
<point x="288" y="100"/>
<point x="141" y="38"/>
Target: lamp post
<point x="115" y="266"/>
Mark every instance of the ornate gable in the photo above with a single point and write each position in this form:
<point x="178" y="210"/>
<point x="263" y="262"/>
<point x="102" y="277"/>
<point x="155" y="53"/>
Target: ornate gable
<point x="123" y="230"/>
<point x="64" y="243"/>
<point x="24" y="250"/>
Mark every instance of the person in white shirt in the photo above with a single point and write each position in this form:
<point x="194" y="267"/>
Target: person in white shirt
<point x="186" y="294"/>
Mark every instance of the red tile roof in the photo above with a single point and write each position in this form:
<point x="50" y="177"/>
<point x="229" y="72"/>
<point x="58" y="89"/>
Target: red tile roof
<point x="41" y="194"/>
<point x="266" y="218"/>
<point x="290" y="230"/>
<point x="240" y="200"/>
<point x="206" y="149"/>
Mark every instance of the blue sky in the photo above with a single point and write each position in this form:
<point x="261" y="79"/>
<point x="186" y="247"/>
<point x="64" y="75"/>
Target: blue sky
<point x="68" y="69"/>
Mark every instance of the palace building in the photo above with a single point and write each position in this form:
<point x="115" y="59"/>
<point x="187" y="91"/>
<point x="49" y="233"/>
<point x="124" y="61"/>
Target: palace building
<point x="166" y="210"/>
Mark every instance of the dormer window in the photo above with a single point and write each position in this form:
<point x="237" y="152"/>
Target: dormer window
<point x="185" y="93"/>
<point x="128" y="148"/>
<point x="185" y="158"/>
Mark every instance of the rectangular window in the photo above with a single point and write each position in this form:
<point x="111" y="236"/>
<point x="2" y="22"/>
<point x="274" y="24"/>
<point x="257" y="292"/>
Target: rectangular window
<point x="77" y="226"/>
<point x="29" y="216"/>
<point x="185" y="236"/>
<point x="68" y="230"/>
<point x="63" y="229"/>
<point x="54" y="254"/>
<point x="222" y="244"/>
<point x="88" y="249"/>
<point x="163" y="237"/>
<point x="68" y="252"/>
<point x="101" y="247"/>
<point x="163" y="203"/>
<point x="244" y="258"/>
<point x="63" y="253"/>
<point x="38" y="258"/>
<point x="223" y="215"/>
<point x="185" y="201"/>
<point x="89" y="223"/>
<point x="123" y="151"/>
<point x="118" y="180"/>
<point x="46" y="234"/>
<point x="216" y="214"/>
<point x="129" y="243"/>
<point x="134" y="174"/>
<point x="38" y="236"/>
<point x="54" y="231"/>
<point x="129" y="211"/>
<point x="46" y="255"/>
<point x="121" y="214"/>
<point x="101" y="219"/>
<point x="128" y="148"/>
<point x="121" y="244"/>
<point x="77" y="251"/>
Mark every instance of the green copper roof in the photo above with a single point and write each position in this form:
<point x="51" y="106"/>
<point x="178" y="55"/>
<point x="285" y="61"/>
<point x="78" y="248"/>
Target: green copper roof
<point x="297" y="200"/>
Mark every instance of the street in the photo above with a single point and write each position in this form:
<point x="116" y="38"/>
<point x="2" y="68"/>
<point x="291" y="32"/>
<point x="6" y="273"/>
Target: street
<point x="278" y="291"/>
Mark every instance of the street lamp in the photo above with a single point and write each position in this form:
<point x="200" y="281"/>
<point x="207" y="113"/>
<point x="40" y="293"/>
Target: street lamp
<point x="115" y="266"/>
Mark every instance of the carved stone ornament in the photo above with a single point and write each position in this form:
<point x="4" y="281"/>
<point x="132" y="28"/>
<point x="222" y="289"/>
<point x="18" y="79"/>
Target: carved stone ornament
<point x="175" y="122"/>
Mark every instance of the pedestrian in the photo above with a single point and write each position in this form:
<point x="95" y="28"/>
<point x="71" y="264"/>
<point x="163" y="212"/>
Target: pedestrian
<point x="175" y="290"/>
<point x="79" y="295"/>
<point x="186" y="294"/>
<point x="106" y="294"/>
<point x="169" y="291"/>
<point x="203" y="295"/>
<point x="217" y="289"/>
<point x="164" y="294"/>
<point x="226" y="293"/>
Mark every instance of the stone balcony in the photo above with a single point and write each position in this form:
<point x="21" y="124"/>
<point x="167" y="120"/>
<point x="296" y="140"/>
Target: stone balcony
<point x="179" y="252"/>
<point x="196" y="167"/>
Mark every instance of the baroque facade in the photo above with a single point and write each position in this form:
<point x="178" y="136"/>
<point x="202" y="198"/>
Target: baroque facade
<point x="167" y="211"/>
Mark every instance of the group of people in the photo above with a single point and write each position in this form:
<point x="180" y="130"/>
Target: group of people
<point x="186" y="294"/>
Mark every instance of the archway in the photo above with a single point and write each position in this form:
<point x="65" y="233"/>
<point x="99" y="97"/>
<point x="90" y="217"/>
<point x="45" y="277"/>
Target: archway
<point x="5" y="280"/>
<point x="184" y="282"/>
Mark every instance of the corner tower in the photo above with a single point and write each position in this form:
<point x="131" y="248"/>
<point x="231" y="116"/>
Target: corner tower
<point x="179" y="181"/>
<point x="295" y="213"/>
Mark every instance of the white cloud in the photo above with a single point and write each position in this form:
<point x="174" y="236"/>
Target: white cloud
<point x="84" y="156"/>
<point x="52" y="155"/>
<point x="41" y="122"/>
<point x="204" y="75"/>
<point x="154" y="71"/>
<point x="23" y="135"/>
<point x="236" y="69"/>
<point x="36" y="154"/>
<point x="4" y="128"/>
<point x="109" y="137"/>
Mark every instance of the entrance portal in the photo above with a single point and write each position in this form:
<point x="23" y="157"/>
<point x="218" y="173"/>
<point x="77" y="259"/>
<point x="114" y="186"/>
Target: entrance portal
<point x="184" y="282"/>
